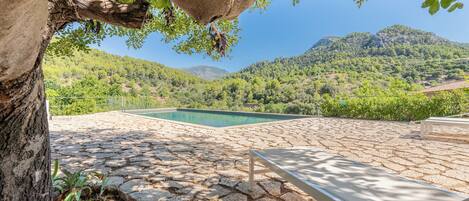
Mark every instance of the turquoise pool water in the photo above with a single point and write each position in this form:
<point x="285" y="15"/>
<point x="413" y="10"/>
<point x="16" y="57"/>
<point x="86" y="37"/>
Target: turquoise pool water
<point x="218" y="119"/>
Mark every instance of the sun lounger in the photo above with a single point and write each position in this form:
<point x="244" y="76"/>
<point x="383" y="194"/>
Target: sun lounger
<point x="427" y="125"/>
<point x="328" y="177"/>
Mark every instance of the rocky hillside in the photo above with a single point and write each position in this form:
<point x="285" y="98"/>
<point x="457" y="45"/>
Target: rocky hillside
<point x="397" y="51"/>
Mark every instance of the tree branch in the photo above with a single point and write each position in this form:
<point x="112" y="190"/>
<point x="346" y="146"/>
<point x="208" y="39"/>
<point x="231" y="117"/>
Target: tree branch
<point x="127" y="15"/>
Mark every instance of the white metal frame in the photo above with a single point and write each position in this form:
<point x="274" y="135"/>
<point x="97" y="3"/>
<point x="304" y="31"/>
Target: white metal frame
<point x="427" y="125"/>
<point x="309" y="188"/>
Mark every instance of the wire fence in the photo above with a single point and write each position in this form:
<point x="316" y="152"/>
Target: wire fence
<point x="84" y="105"/>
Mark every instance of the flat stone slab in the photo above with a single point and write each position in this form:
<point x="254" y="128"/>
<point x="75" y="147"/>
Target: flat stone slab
<point x="272" y="187"/>
<point x="235" y="197"/>
<point x="115" y="181"/>
<point x="151" y="195"/>
<point x="115" y="163"/>
<point x="255" y="193"/>
<point x="134" y="185"/>
<point x="292" y="197"/>
<point x="217" y="191"/>
<point x="225" y="181"/>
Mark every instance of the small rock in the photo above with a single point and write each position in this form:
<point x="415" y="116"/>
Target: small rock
<point x="228" y="182"/>
<point x="157" y="178"/>
<point x="139" y="159"/>
<point x="292" y="197"/>
<point x="255" y="193"/>
<point x="272" y="187"/>
<point x="266" y="199"/>
<point x="211" y="181"/>
<point x="124" y="171"/>
<point x="134" y="185"/>
<point x="233" y="173"/>
<point x="217" y="191"/>
<point x="115" y="181"/>
<point x="235" y="197"/>
<point x="101" y="155"/>
<point x="151" y="195"/>
<point x="115" y="163"/>
<point x="173" y="184"/>
<point x="184" y="190"/>
<point x="180" y="148"/>
<point x="165" y="156"/>
<point x="180" y="198"/>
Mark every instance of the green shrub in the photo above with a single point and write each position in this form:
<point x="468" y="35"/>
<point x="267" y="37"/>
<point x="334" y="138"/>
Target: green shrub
<point x="77" y="186"/>
<point x="275" y="108"/>
<point x="403" y="107"/>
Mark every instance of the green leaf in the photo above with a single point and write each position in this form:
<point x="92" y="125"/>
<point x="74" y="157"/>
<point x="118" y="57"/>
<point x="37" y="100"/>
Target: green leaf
<point x="58" y="187"/>
<point x="161" y="4"/>
<point x="67" y="173"/>
<point x="427" y="3"/>
<point x="435" y="7"/>
<point x="56" y="168"/>
<point x="69" y="197"/>
<point x="78" y="196"/>
<point x="455" y="6"/>
<point x="103" y="185"/>
<point x="446" y="3"/>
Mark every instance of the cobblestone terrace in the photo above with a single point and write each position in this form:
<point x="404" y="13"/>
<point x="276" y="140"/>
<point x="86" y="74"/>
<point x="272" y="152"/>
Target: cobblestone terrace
<point x="158" y="160"/>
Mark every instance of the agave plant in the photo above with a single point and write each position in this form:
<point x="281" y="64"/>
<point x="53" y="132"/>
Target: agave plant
<point x="74" y="185"/>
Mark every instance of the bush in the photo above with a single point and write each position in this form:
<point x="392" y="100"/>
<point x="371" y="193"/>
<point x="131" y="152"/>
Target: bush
<point x="403" y="107"/>
<point x="302" y="108"/>
<point x="275" y="108"/>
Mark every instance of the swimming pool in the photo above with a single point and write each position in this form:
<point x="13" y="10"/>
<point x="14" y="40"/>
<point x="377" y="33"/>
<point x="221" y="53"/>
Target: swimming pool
<point x="215" y="118"/>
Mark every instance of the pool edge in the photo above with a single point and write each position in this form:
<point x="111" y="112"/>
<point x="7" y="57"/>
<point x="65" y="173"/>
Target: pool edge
<point x="139" y="113"/>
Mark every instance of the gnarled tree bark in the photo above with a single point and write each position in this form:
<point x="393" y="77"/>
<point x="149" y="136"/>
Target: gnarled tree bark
<point x="206" y="11"/>
<point x="24" y="143"/>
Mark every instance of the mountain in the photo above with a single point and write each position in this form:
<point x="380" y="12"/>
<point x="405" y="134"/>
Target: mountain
<point x="398" y="51"/>
<point x="325" y="42"/>
<point x="207" y="72"/>
<point x="391" y="36"/>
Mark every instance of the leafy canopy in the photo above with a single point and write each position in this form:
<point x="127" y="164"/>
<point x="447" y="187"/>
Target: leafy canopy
<point x="177" y="29"/>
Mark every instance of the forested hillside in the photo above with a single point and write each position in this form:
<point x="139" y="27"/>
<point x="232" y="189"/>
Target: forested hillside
<point x="398" y="51"/>
<point x="337" y="76"/>
<point x="76" y="84"/>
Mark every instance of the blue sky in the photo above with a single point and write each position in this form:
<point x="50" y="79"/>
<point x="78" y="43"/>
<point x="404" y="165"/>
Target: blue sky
<point x="284" y="30"/>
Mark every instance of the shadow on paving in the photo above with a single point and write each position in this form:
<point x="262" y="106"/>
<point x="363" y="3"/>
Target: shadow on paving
<point x="151" y="166"/>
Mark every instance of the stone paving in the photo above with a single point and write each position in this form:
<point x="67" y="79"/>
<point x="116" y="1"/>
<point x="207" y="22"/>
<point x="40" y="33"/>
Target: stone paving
<point x="152" y="159"/>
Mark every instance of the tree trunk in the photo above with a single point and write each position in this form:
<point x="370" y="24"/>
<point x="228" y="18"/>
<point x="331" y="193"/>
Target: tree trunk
<point x="24" y="139"/>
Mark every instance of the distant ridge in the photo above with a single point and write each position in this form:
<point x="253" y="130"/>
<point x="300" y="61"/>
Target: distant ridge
<point x="398" y="51"/>
<point x="393" y="35"/>
<point x="207" y="72"/>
